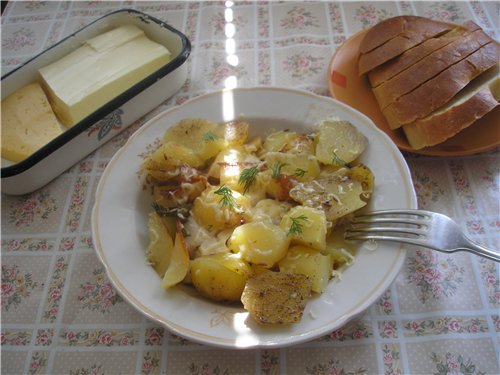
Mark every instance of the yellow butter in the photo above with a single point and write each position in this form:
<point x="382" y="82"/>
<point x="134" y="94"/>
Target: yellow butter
<point x="28" y="123"/>
<point x="104" y="67"/>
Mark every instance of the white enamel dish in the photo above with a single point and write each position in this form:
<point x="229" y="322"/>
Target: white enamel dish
<point x="108" y="120"/>
<point x="119" y="224"/>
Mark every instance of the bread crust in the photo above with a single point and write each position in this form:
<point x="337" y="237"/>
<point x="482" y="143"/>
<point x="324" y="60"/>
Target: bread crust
<point x="393" y="67"/>
<point x="436" y="92"/>
<point x="429" y="67"/>
<point x="415" y="30"/>
<point x="438" y="128"/>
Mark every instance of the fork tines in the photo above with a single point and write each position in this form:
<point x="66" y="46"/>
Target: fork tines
<point x="379" y="224"/>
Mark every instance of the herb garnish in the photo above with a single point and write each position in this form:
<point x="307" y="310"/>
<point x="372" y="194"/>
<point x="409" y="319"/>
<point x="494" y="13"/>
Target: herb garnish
<point x="247" y="177"/>
<point x="296" y="226"/>
<point x="299" y="172"/>
<point x="276" y="168"/>
<point x="227" y="198"/>
<point x="336" y="160"/>
<point x="209" y="136"/>
<point x="179" y="212"/>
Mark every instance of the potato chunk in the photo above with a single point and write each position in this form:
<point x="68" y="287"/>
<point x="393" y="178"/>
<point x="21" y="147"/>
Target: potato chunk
<point x="339" y="142"/>
<point x="259" y="243"/>
<point x="220" y="208"/>
<point x="309" y="262"/>
<point x="198" y="135"/>
<point x="178" y="266"/>
<point x="306" y="226"/>
<point x="276" y="297"/>
<point x="160" y="244"/>
<point x="336" y="195"/>
<point x="303" y="167"/>
<point x="220" y="277"/>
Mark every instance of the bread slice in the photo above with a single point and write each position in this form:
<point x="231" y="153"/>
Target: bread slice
<point x="439" y="90"/>
<point x="391" y="68"/>
<point x="479" y="98"/>
<point x="429" y="66"/>
<point x="411" y="31"/>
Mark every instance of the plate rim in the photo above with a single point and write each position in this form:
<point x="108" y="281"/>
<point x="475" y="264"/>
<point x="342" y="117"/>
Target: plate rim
<point x="427" y="151"/>
<point x="222" y="342"/>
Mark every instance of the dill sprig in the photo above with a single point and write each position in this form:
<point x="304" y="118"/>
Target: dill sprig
<point x="336" y="160"/>
<point x="296" y="226"/>
<point x="299" y="172"/>
<point x="209" y="136"/>
<point x="276" y="169"/>
<point x="247" y="177"/>
<point x="179" y="212"/>
<point x="227" y="199"/>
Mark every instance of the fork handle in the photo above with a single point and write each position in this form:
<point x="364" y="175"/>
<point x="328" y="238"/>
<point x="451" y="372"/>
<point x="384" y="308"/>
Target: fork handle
<point x="483" y="251"/>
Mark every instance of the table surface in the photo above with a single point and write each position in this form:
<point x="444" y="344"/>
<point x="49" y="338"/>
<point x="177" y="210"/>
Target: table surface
<point x="60" y="313"/>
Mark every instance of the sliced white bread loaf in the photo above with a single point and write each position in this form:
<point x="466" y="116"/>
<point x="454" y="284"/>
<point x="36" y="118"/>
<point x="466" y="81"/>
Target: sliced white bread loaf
<point x="477" y="99"/>
<point x="386" y="71"/>
<point x="437" y="91"/>
<point x="428" y="67"/>
<point x="392" y="37"/>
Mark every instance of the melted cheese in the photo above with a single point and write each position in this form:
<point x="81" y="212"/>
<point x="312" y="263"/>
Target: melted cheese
<point x="28" y="123"/>
<point x="104" y="67"/>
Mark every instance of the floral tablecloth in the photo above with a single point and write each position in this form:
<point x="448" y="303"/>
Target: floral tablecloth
<point x="60" y="314"/>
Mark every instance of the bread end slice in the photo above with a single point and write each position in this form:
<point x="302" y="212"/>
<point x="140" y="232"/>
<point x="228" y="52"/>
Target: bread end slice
<point x="475" y="101"/>
<point x="414" y="30"/>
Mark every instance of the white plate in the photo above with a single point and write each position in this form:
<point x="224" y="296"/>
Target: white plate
<point x="119" y="224"/>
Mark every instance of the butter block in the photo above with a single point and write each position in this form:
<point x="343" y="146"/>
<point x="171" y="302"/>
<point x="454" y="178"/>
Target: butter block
<point x="28" y="122"/>
<point x="104" y="67"/>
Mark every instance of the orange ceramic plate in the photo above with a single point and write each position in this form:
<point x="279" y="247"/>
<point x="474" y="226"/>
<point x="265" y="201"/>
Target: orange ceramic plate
<point x="346" y="86"/>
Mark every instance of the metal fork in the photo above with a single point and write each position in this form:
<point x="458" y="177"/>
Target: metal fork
<point x="417" y="227"/>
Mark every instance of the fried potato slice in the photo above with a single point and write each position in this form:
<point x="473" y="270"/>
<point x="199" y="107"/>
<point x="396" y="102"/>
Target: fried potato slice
<point x="276" y="297"/>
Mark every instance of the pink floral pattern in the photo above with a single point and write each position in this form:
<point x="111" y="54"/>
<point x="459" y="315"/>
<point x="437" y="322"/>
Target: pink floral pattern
<point x="76" y="205"/>
<point x="388" y="329"/>
<point x="19" y="39"/>
<point x="16" y="286"/>
<point x="99" y="337"/>
<point x="454" y="364"/>
<point x="269" y="362"/>
<point x="303" y="65"/>
<point x="98" y="294"/>
<point x="391" y="359"/>
<point x="444" y="11"/>
<point x="443" y="325"/>
<point x="38" y="363"/>
<point x="15" y="338"/>
<point x="491" y="279"/>
<point x="462" y="187"/>
<point x="27" y="244"/>
<point x="332" y="367"/>
<point x="219" y="70"/>
<point x="154" y="336"/>
<point x="435" y="277"/>
<point x="207" y="369"/>
<point x="55" y="290"/>
<point x="44" y="337"/>
<point x="335" y="17"/>
<point x="31" y="207"/>
<point x="218" y="22"/>
<point x="369" y="15"/>
<point x="427" y="190"/>
<point x="92" y="370"/>
<point x="150" y="363"/>
<point x="354" y="331"/>
<point x="299" y="18"/>
<point x="385" y="303"/>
